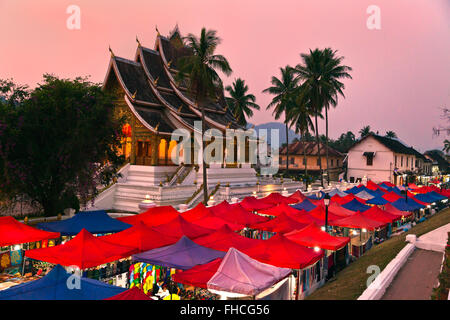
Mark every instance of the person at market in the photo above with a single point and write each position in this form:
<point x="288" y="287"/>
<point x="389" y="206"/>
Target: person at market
<point x="157" y="287"/>
<point x="164" y="292"/>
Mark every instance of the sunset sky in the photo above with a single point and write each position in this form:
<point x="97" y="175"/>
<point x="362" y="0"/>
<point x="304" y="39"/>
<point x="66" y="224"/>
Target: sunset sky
<point x="401" y="73"/>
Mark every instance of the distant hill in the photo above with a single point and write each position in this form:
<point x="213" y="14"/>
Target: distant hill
<point x="281" y="127"/>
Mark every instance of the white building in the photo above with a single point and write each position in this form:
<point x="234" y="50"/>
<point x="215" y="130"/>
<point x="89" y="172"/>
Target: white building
<point x="380" y="159"/>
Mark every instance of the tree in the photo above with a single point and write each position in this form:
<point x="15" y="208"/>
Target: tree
<point x="365" y="131"/>
<point x="390" y="134"/>
<point x="284" y="91"/>
<point x="203" y="80"/>
<point x="321" y="71"/>
<point x="240" y="102"/>
<point x="300" y="116"/>
<point x="58" y="142"/>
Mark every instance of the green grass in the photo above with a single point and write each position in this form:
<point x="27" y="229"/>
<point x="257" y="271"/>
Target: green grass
<point x="350" y="283"/>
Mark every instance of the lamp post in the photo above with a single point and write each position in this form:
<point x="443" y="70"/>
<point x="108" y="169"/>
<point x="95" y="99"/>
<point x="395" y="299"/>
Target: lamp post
<point x="326" y="201"/>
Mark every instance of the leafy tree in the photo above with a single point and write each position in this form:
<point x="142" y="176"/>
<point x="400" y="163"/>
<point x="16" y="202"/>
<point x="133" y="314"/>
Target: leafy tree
<point x="203" y="80"/>
<point x="284" y="91"/>
<point x="365" y="131"/>
<point x="321" y="72"/>
<point x="390" y="134"/>
<point x="300" y="116"/>
<point x="240" y="101"/>
<point x="58" y="142"/>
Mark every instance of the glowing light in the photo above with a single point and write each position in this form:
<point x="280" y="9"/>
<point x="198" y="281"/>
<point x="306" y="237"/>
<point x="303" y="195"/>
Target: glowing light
<point x="316" y="249"/>
<point x="16" y="247"/>
<point x="147" y="197"/>
<point x="322" y="228"/>
<point x="355" y="233"/>
<point x="211" y="198"/>
<point x="364" y="230"/>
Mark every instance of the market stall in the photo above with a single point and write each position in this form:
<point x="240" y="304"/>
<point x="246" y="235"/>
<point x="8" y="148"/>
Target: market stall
<point x="54" y="286"/>
<point x="153" y="216"/>
<point x="96" y="222"/>
<point x="235" y="213"/>
<point x="203" y="217"/>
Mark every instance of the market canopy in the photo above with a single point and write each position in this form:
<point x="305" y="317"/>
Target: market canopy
<point x="225" y="238"/>
<point x="281" y="224"/>
<point x="179" y="227"/>
<point x="54" y="287"/>
<point x="437" y="196"/>
<point x="282" y="252"/>
<point x="355" y="205"/>
<point x="391" y="196"/>
<point x="276" y="198"/>
<point x="342" y="200"/>
<point x="84" y="251"/>
<point x="153" y="216"/>
<point x="93" y="221"/>
<point x="358" y="221"/>
<point x="380" y="201"/>
<point x="253" y="204"/>
<point x="304" y="205"/>
<point x="372" y="185"/>
<point x="312" y="236"/>
<point x="298" y="195"/>
<point x="320" y="213"/>
<point x="130" y="294"/>
<point x="203" y="217"/>
<point x="199" y="275"/>
<point x="425" y="197"/>
<point x="393" y="210"/>
<point x="279" y="209"/>
<point x="238" y="273"/>
<point x="364" y="195"/>
<point x="13" y="232"/>
<point x="235" y="213"/>
<point x="183" y="255"/>
<point x="338" y="192"/>
<point x="407" y="205"/>
<point x="378" y="214"/>
<point x="338" y="210"/>
<point x="140" y="237"/>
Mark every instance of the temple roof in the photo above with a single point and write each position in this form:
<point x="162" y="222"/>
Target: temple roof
<point x="311" y="149"/>
<point x="150" y="86"/>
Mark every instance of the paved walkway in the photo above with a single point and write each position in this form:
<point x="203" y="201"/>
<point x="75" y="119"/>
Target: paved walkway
<point x="416" y="279"/>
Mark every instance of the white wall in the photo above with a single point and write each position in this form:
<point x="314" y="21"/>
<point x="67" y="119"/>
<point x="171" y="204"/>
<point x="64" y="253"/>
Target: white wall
<point x="383" y="162"/>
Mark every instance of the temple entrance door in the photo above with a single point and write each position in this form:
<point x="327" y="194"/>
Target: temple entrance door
<point x="144" y="153"/>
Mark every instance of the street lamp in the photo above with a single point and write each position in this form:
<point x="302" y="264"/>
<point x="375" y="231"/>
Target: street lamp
<point x="326" y="201"/>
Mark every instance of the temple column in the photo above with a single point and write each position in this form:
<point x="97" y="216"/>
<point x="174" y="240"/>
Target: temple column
<point x="133" y="141"/>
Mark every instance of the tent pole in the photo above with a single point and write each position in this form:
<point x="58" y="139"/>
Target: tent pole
<point x="23" y="264"/>
<point x="298" y="285"/>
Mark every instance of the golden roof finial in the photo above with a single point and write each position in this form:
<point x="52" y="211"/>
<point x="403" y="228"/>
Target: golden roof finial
<point x="137" y="40"/>
<point x="179" y="109"/>
<point x="156" y="81"/>
<point x="226" y="108"/>
<point x="169" y="63"/>
<point x="134" y="95"/>
<point x="157" y="126"/>
<point x="156" y="27"/>
<point x="112" y="53"/>
<point x="228" y="125"/>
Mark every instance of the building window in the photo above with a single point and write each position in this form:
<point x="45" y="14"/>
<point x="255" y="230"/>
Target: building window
<point x="369" y="159"/>
<point x="337" y="162"/>
<point x="401" y="161"/>
<point x="407" y="161"/>
<point x="291" y="160"/>
<point x="304" y="161"/>
<point x="318" y="162"/>
<point x="395" y="160"/>
<point x="352" y="179"/>
<point x="332" y="162"/>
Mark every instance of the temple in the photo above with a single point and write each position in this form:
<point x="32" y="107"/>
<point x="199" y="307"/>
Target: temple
<point x="154" y="104"/>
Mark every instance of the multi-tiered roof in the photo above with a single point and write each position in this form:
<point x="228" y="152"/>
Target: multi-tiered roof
<point x="159" y="102"/>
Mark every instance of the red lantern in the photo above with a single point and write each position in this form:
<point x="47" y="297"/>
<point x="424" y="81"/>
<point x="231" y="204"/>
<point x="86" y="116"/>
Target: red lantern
<point x="126" y="130"/>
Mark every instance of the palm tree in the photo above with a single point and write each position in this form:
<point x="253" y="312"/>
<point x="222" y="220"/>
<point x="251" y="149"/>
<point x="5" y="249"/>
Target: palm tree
<point x="283" y="90"/>
<point x="300" y="116"/>
<point x="390" y="134"/>
<point x="240" y="102"/>
<point x="365" y="131"/>
<point x="321" y="72"/>
<point x="203" y="81"/>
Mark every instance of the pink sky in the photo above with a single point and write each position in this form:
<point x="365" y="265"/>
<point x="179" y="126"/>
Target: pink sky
<point x="401" y="74"/>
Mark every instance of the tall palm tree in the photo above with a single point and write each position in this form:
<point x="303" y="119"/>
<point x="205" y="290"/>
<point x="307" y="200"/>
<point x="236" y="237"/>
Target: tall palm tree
<point x="365" y="131"/>
<point x="390" y="134"/>
<point x="284" y="90"/>
<point x="203" y="80"/>
<point x="300" y="116"/>
<point x="241" y="102"/>
<point x="321" y="72"/>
